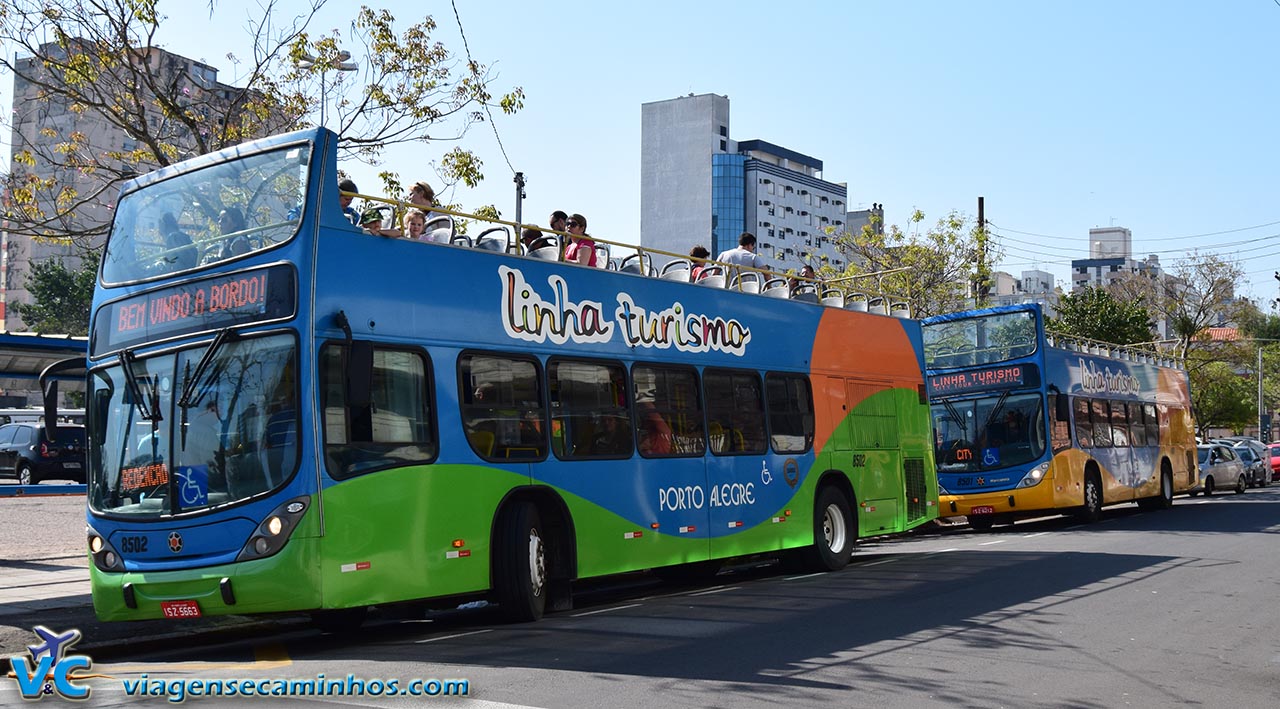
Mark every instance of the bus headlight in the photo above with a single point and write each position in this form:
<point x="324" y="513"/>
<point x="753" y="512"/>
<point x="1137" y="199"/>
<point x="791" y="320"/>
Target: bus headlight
<point x="271" y="536"/>
<point x="1034" y="476"/>
<point x="104" y="556"/>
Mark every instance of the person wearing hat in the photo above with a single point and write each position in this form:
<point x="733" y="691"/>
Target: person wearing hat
<point x="421" y="196"/>
<point x="582" y="248"/>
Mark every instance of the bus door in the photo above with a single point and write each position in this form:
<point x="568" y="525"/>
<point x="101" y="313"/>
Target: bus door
<point x="869" y="452"/>
<point x="745" y="482"/>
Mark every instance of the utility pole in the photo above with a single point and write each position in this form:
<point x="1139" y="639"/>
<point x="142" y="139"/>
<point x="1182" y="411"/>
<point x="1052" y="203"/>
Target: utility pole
<point x="519" y="180"/>
<point x="981" y="289"/>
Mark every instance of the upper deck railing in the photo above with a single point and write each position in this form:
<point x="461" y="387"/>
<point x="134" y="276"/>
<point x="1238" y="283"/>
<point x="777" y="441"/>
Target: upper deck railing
<point x="639" y="260"/>
<point x="1127" y="353"/>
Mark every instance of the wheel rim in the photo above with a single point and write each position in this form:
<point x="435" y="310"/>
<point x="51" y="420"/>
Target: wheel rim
<point x="537" y="562"/>
<point x="24" y="476"/>
<point x="833" y="528"/>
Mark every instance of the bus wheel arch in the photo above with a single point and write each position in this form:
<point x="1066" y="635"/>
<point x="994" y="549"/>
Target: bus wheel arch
<point x="835" y="524"/>
<point x="1163" y="499"/>
<point x="533" y="554"/>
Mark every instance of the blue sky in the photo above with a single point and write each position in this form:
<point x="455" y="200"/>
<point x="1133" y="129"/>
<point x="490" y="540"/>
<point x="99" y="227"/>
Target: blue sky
<point x="1157" y="116"/>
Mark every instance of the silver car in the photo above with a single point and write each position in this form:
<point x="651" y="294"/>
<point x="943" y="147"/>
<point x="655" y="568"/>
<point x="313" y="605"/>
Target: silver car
<point x="1220" y="469"/>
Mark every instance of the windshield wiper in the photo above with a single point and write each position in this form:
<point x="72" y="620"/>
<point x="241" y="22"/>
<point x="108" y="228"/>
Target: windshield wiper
<point x="191" y="381"/>
<point x="146" y="402"/>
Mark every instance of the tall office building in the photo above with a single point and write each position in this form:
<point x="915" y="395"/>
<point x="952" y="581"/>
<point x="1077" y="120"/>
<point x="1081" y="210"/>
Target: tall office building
<point x="1110" y="256"/>
<point x="700" y="186"/>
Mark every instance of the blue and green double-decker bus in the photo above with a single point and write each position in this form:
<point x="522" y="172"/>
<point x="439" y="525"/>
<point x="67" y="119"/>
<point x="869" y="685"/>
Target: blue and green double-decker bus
<point x="288" y="414"/>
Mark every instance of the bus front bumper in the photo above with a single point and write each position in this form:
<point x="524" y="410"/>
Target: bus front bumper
<point x="1018" y="501"/>
<point x="286" y="581"/>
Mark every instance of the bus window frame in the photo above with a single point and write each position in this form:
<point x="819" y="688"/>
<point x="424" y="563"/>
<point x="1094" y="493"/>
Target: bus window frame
<point x="432" y="401"/>
<point x="539" y="378"/>
<point x="627" y="406"/>
<point x="702" y="411"/>
<point x="762" y="411"/>
<point x="811" y="434"/>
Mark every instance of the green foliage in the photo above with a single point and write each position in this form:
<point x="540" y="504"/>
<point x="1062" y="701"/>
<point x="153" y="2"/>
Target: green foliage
<point x="1194" y="295"/>
<point x="937" y="265"/>
<point x="62" y="297"/>
<point x="1221" y="397"/>
<point x="1096" y="314"/>
<point x="96" y="57"/>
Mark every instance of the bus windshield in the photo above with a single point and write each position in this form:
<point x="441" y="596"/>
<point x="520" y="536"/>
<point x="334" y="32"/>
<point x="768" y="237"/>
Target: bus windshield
<point x="992" y="432"/>
<point x="982" y="340"/>
<point x="207" y="216"/>
<point x="235" y="435"/>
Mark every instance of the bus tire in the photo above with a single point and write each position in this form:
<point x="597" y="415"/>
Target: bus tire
<point x="339" y="621"/>
<point x="833" y="532"/>
<point x="1091" y="510"/>
<point x="520" y="564"/>
<point x="1163" y="499"/>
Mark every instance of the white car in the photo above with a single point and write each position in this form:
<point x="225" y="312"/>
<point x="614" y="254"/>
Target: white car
<point x="1220" y="469"/>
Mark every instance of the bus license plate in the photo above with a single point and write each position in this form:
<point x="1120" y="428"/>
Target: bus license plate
<point x="983" y="510"/>
<point x="73" y="466"/>
<point x="180" y="609"/>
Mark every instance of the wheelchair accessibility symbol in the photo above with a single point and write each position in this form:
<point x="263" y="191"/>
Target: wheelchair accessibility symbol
<point x="766" y="477"/>
<point x="990" y="457"/>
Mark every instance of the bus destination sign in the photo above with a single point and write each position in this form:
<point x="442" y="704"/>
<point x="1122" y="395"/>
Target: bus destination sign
<point x="199" y="306"/>
<point x="987" y="379"/>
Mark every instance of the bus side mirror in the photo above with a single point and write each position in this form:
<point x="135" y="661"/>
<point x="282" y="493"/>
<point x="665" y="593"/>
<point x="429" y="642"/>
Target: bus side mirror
<point x="101" y="409"/>
<point x="49" y="388"/>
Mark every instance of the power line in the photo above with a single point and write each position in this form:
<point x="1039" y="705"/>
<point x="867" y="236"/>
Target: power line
<point x="471" y="63"/>
<point x="1163" y="238"/>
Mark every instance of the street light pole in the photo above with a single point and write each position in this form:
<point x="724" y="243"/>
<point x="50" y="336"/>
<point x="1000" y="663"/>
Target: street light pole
<point x="338" y="63"/>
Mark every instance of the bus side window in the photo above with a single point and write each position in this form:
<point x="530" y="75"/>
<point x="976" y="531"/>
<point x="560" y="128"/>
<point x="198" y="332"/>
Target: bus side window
<point x="1059" y="423"/>
<point x="1137" y="427"/>
<point x="735" y="411"/>
<point x="1153" y="424"/>
<point x="1101" y="416"/>
<point x="1084" y="426"/>
<point x="502" y="409"/>
<point x="1119" y="424"/>
<point x="588" y="417"/>
<point x="668" y="411"/>
<point x="791" y="426"/>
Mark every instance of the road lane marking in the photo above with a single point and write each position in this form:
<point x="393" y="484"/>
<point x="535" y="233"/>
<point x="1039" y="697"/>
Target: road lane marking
<point x="997" y="541"/>
<point x="882" y="561"/>
<point x="605" y="610"/>
<point x="455" y="635"/>
<point x="1037" y="534"/>
<point x="715" y="590"/>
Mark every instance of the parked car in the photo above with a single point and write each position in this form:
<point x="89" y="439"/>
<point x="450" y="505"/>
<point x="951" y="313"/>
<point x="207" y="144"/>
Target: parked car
<point x="1275" y="462"/>
<point x="27" y="454"/>
<point x="1220" y="469"/>
<point x="1257" y="470"/>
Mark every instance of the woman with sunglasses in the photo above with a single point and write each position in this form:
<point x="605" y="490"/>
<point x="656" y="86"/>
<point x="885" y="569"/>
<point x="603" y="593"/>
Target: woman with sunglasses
<point x="582" y="248"/>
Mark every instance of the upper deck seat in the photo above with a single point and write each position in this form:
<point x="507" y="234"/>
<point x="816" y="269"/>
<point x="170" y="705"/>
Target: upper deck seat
<point x="712" y="276"/>
<point x="677" y="270"/>
<point x="833" y="298"/>
<point x="495" y="238"/>
<point x="747" y="282"/>
<point x="641" y="263"/>
<point x="776" y="288"/>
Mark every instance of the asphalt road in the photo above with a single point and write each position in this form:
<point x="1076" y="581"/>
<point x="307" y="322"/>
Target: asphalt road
<point x="1154" y="609"/>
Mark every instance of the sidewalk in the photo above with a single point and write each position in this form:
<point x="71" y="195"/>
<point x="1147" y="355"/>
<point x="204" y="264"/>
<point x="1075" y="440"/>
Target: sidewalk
<point x="54" y="592"/>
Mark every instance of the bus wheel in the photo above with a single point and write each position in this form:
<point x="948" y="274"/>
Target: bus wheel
<point x="339" y="621"/>
<point x="1166" y="490"/>
<point x="833" y="532"/>
<point x="520" y="580"/>
<point x="1092" y="510"/>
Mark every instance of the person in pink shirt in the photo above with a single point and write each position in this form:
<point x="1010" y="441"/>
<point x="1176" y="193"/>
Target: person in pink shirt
<point x="582" y="249"/>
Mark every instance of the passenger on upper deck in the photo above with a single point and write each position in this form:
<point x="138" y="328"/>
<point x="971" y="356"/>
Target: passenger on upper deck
<point x="745" y="254"/>
<point x="698" y="259"/>
<point x="180" y="251"/>
<point x="806" y="272"/>
<point x="344" y="201"/>
<point x="414" y="225"/>
<point x="583" y="248"/>
<point x="558" y="219"/>
<point x="231" y="220"/>
<point x="528" y="236"/>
